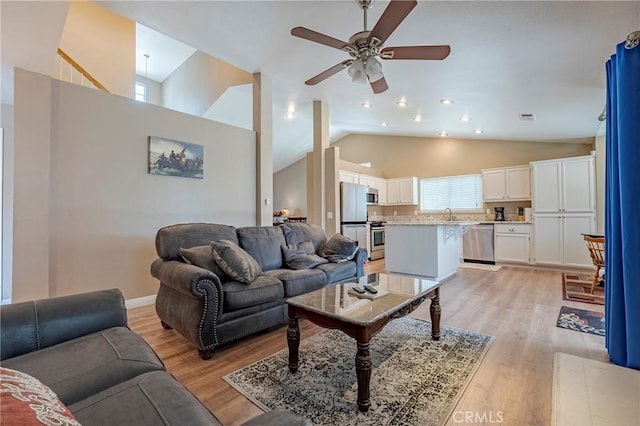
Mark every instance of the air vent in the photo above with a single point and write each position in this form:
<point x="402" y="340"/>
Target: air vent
<point x="527" y="117"/>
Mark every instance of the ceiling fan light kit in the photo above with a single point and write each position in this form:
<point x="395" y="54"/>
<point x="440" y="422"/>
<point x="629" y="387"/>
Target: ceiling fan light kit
<point x="364" y="46"/>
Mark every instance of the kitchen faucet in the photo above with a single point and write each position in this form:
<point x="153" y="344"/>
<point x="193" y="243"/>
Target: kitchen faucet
<point x="448" y="215"/>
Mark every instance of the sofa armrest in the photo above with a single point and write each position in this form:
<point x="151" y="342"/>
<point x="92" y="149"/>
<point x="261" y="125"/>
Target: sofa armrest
<point x="360" y="258"/>
<point x="31" y="326"/>
<point x="186" y="279"/>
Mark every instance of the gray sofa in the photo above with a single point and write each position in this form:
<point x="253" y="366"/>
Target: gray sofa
<point x="105" y="374"/>
<point x="209" y="308"/>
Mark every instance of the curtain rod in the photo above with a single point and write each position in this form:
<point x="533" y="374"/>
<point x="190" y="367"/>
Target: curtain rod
<point x="633" y="40"/>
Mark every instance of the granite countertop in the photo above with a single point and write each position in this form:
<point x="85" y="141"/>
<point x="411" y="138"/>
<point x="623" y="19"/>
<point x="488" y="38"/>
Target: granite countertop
<point x="458" y="223"/>
<point x="441" y="223"/>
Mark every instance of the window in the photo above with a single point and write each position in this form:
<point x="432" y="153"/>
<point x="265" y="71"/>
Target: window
<point x="141" y="92"/>
<point x="460" y="193"/>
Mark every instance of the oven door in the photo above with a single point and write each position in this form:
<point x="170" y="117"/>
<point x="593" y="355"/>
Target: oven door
<point x="377" y="243"/>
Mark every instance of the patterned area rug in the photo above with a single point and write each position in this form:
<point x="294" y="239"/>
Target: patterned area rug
<point x="577" y="287"/>
<point x="415" y="381"/>
<point x="581" y="320"/>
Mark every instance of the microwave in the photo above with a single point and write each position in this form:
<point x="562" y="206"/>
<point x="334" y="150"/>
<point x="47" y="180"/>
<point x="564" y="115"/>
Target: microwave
<point x="372" y="196"/>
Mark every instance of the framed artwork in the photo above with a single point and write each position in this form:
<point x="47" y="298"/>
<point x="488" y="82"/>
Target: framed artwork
<point x="174" y="158"/>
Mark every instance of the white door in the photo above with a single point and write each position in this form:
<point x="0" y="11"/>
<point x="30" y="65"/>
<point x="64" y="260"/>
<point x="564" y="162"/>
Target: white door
<point x="518" y="183"/>
<point x="393" y="192"/>
<point x="361" y="236"/>
<point x="548" y="239"/>
<point x="493" y="185"/>
<point x="578" y="191"/>
<point x="381" y="185"/>
<point x="512" y="248"/>
<point x="574" y="248"/>
<point x="407" y="191"/>
<point x="547" y="181"/>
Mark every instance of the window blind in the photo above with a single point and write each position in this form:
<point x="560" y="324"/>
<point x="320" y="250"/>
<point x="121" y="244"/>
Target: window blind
<point x="455" y="192"/>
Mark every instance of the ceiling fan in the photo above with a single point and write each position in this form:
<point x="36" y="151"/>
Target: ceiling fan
<point x="365" y="45"/>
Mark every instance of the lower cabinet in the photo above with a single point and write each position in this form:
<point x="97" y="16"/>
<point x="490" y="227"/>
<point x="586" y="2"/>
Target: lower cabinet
<point x="559" y="240"/>
<point x="511" y="243"/>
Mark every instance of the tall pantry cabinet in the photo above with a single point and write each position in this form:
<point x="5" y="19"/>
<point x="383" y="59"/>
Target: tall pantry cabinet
<point x="563" y="209"/>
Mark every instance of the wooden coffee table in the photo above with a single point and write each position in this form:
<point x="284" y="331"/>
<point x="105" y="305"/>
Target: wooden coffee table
<point x="361" y="318"/>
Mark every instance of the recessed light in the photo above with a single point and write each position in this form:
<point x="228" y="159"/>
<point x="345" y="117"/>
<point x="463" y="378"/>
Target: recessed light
<point x="401" y="104"/>
<point x="366" y="105"/>
<point x="384" y="124"/>
<point x="477" y="131"/>
<point x="465" y="118"/>
<point x="444" y="134"/>
<point x="417" y="118"/>
<point x="446" y="101"/>
<point x="290" y="115"/>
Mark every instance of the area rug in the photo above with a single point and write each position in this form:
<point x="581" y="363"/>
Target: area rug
<point x="581" y="320"/>
<point x="414" y="380"/>
<point x="480" y="266"/>
<point x="577" y="288"/>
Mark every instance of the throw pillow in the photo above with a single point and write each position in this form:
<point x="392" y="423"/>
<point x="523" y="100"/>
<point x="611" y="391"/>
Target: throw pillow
<point x="27" y="401"/>
<point x="235" y="262"/>
<point x="339" y="249"/>
<point x="202" y="256"/>
<point x="302" y="256"/>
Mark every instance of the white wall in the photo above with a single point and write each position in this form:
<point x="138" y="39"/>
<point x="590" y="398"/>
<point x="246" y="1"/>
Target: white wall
<point x="6" y="122"/>
<point x="290" y="188"/>
<point x="104" y="208"/>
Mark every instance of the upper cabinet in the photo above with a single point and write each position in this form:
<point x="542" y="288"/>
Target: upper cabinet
<point x="402" y="191"/>
<point x="390" y="191"/>
<point x="348" y="177"/>
<point x="564" y="185"/>
<point x="506" y="184"/>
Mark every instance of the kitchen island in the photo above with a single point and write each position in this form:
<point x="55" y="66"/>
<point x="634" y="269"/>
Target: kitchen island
<point x="428" y="249"/>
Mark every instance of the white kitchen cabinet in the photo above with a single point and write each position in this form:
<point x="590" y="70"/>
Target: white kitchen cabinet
<point x="402" y="191"/>
<point x="507" y="184"/>
<point x="366" y="180"/>
<point x="349" y="177"/>
<point x="563" y="209"/>
<point x="512" y="243"/>
<point x="559" y="240"/>
<point x="381" y="185"/>
<point x="564" y="185"/>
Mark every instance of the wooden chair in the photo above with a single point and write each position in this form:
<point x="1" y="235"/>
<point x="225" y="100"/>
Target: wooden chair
<point x="595" y="244"/>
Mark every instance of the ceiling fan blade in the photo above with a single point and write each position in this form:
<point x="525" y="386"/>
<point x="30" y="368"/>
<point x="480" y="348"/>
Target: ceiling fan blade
<point x="379" y="86"/>
<point x="328" y="73"/>
<point x="392" y="16"/>
<point x="317" y="37"/>
<point x="416" y="52"/>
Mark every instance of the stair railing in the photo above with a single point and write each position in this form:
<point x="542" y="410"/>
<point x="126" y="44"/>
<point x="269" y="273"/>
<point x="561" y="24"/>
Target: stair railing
<point x="70" y="71"/>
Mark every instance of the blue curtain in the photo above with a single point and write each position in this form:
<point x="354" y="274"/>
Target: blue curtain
<point x="622" y="208"/>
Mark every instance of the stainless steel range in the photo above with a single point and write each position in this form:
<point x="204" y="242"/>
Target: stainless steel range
<point x="376" y="240"/>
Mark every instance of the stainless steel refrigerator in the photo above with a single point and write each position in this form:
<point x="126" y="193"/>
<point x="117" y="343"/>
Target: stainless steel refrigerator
<point x="353" y="212"/>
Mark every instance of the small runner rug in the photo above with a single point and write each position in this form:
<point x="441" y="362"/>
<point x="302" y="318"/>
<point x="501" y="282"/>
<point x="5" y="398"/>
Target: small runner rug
<point x="581" y="320"/>
<point x="414" y="380"/>
<point x="577" y="288"/>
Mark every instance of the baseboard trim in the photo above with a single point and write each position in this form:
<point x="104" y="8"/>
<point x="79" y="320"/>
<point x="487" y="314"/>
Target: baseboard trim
<point x="140" y="301"/>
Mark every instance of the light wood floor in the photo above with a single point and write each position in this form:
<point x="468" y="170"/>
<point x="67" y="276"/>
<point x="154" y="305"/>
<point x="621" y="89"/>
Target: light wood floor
<point x="516" y="305"/>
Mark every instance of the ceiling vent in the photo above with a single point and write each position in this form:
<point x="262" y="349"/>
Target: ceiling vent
<point x="527" y="117"/>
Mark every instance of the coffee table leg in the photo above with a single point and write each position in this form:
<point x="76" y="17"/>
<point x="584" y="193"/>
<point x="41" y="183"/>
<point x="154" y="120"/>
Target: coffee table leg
<point x="434" y="310"/>
<point x="363" y="372"/>
<point x="293" y="340"/>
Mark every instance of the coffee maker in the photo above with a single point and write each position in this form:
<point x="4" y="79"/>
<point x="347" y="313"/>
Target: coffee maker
<point x="499" y="214"/>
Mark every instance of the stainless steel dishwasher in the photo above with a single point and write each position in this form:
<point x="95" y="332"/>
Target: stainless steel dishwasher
<point x="477" y="244"/>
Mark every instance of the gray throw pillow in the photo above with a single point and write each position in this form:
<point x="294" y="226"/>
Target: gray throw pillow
<point x="235" y="262"/>
<point x="302" y="256"/>
<point x="339" y="249"/>
<point x="202" y="256"/>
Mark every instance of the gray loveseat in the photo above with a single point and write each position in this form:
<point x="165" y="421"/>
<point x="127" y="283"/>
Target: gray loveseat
<point x="105" y="374"/>
<point x="209" y="308"/>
